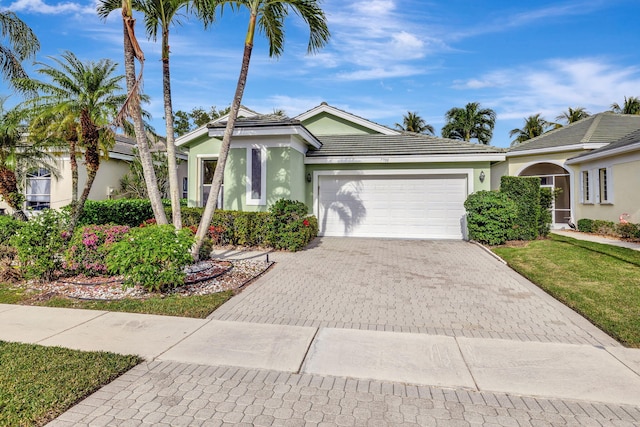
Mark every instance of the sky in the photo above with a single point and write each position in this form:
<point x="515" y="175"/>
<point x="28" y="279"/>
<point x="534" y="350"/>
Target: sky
<point x="385" y="57"/>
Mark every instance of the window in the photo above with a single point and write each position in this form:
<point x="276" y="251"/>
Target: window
<point x="586" y="188"/>
<point x="208" y="168"/>
<point x="256" y="176"/>
<point x="38" y="192"/>
<point x="604" y="184"/>
<point x="185" y="188"/>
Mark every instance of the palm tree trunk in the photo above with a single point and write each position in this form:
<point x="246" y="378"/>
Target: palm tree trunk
<point x="171" y="146"/>
<point x="134" y="110"/>
<point x="216" y="183"/>
<point x="73" y="160"/>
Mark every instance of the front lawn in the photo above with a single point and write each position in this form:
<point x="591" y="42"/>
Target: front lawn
<point x="39" y="383"/>
<point x="601" y="282"/>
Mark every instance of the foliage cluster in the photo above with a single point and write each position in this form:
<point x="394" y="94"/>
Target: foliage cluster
<point x="89" y="246"/>
<point x="289" y="227"/>
<point x="519" y="211"/>
<point x="8" y="227"/>
<point x="525" y="192"/>
<point x="609" y="228"/>
<point x="129" y="212"/>
<point x="40" y="242"/>
<point x="153" y="257"/>
<point x="490" y="217"/>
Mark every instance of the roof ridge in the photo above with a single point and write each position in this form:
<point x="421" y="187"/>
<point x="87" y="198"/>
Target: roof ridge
<point x="589" y="133"/>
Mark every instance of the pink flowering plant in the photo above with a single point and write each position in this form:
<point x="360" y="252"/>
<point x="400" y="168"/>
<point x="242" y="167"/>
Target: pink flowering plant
<point x="89" y="246"/>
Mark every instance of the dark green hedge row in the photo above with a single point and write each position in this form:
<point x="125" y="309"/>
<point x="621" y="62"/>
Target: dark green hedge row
<point x="519" y="211"/>
<point x="283" y="227"/>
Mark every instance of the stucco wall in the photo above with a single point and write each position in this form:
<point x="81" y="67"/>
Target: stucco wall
<point x="328" y="124"/>
<point x="625" y="179"/>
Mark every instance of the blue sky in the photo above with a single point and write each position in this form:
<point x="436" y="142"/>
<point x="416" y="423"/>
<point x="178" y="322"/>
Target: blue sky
<point x="386" y="57"/>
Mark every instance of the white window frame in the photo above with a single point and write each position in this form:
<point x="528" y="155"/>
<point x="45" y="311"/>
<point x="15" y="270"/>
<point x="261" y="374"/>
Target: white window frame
<point x="609" y="187"/>
<point x="38" y="174"/>
<point x="262" y="200"/>
<point x="586" y="187"/>
<point x="200" y="195"/>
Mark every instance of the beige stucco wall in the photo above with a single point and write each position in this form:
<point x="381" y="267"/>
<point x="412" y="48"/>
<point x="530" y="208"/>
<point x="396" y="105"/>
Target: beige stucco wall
<point x="625" y="179"/>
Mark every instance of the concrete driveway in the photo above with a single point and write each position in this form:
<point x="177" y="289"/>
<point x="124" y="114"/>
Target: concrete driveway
<point x="449" y="288"/>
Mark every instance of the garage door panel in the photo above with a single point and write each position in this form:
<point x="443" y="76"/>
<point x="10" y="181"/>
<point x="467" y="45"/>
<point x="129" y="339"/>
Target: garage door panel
<point x="413" y="206"/>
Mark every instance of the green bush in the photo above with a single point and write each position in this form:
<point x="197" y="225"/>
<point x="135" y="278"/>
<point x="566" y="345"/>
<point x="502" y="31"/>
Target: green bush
<point x="628" y="230"/>
<point x="525" y="192"/>
<point x="40" y="242"/>
<point x="544" y="218"/>
<point x="89" y="246"/>
<point x="8" y="227"/>
<point x="606" y="228"/>
<point x="585" y="225"/>
<point x="289" y="226"/>
<point x="152" y="257"/>
<point x="491" y="217"/>
<point x="130" y="212"/>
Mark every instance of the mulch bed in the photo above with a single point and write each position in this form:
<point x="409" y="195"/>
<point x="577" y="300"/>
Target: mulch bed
<point x="205" y="277"/>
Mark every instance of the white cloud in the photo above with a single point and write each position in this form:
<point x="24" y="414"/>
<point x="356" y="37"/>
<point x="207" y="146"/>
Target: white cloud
<point x="40" y="7"/>
<point x="552" y="86"/>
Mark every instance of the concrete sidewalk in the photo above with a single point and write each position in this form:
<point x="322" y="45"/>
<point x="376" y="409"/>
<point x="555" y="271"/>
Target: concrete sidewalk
<point x="551" y="370"/>
<point x="597" y="239"/>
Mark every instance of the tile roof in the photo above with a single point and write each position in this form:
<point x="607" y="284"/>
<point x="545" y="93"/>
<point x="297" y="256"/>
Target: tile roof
<point x="628" y="140"/>
<point x="405" y="144"/>
<point x="597" y="129"/>
<point x="258" y="120"/>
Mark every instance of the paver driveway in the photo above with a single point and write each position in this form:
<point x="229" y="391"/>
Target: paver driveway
<point x="438" y="287"/>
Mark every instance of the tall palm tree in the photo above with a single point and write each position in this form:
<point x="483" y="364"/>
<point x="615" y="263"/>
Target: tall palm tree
<point x="412" y="122"/>
<point x="89" y="92"/>
<point x="21" y="44"/>
<point x="631" y="105"/>
<point x="159" y="15"/>
<point x="132" y="108"/>
<point x="269" y="16"/>
<point x="572" y="115"/>
<point x="17" y="154"/>
<point x="470" y="122"/>
<point x="533" y="126"/>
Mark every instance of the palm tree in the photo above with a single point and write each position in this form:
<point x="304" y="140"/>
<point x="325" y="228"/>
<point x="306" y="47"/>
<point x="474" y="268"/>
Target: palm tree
<point x="21" y="44"/>
<point x="533" y="126"/>
<point x="160" y="15"/>
<point x="269" y="15"/>
<point x="631" y="106"/>
<point x="572" y="115"/>
<point x="132" y="108"/>
<point x="470" y="122"/>
<point x="17" y="154"/>
<point x="87" y="92"/>
<point x="412" y="122"/>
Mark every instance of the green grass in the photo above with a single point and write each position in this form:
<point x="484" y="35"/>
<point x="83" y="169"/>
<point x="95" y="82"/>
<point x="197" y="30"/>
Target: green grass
<point x="601" y="282"/>
<point x="39" y="383"/>
<point x="199" y="306"/>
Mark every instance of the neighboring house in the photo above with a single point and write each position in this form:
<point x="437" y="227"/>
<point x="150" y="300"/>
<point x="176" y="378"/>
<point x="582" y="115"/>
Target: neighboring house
<point x="589" y="161"/>
<point x="43" y="190"/>
<point x="358" y="177"/>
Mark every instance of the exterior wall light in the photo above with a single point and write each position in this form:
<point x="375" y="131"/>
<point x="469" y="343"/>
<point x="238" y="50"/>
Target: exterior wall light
<point x="309" y="177"/>
<point x="481" y="176"/>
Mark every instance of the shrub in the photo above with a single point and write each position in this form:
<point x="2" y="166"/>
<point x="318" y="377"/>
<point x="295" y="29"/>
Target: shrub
<point x="606" y="228"/>
<point x="628" y="230"/>
<point x="130" y="212"/>
<point x="8" y="227"/>
<point x="585" y="225"/>
<point x="89" y="246"/>
<point x="525" y="192"/>
<point x="152" y="257"/>
<point x="491" y="217"/>
<point x="289" y="227"/>
<point x="40" y="242"/>
<point x="544" y="218"/>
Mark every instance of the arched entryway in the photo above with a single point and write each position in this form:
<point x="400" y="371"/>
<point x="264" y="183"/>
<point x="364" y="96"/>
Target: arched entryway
<point x="554" y="177"/>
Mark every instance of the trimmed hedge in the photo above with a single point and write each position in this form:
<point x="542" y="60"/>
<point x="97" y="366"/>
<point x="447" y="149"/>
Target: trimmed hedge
<point x="491" y="217"/>
<point x="130" y="212"/>
<point x="585" y="225"/>
<point x="525" y="192"/>
<point x="609" y="228"/>
<point x="544" y="218"/>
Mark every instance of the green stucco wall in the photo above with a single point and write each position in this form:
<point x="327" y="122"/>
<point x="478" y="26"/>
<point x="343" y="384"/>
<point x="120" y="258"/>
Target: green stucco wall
<point x="201" y="148"/>
<point x="328" y="124"/>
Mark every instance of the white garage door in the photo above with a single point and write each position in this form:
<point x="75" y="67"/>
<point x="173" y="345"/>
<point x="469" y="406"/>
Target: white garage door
<point x="404" y="206"/>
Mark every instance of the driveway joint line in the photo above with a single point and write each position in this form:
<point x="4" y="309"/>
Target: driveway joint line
<point x="205" y="323"/>
<point x="75" y="326"/>
<point x="306" y="353"/>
